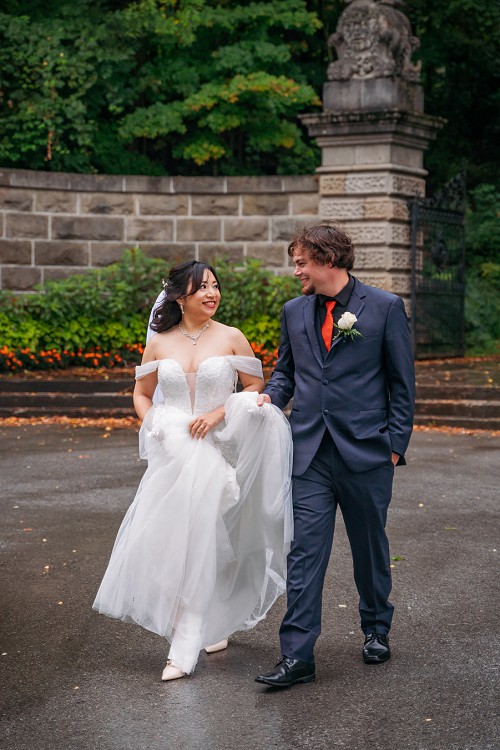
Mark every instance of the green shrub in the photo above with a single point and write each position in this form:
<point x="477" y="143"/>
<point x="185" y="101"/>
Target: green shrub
<point x="106" y="311"/>
<point x="482" y="310"/>
<point x="250" y="291"/>
<point x="482" y="291"/>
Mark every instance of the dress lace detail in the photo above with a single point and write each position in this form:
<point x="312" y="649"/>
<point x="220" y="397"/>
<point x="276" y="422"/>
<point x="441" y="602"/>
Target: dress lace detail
<point x="211" y="385"/>
<point x="214" y="384"/>
<point x="202" y="550"/>
<point x="173" y="385"/>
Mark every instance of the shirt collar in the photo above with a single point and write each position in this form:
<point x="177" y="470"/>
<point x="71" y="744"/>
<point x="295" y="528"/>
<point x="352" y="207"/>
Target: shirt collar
<point x="342" y="298"/>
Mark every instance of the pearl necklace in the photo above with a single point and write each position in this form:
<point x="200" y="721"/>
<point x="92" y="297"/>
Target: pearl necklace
<point x="193" y="336"/>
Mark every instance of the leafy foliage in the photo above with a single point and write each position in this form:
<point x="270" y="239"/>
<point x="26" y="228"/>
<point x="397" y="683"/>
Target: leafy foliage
<point x="460" y="53"/>
<point x="155" y="86"/>
<point x="483" y="225"/>
<point x="482" y="301"/>
<point x="248" y="291"/>
<point x="482" y="321"/>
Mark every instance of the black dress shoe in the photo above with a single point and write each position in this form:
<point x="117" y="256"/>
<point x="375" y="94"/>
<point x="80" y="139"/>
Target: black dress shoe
<point x="376" y="649"/>
<point x="287" y="672"/>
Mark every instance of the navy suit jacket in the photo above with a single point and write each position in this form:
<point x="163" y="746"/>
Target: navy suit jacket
<point x="363" y="391"/>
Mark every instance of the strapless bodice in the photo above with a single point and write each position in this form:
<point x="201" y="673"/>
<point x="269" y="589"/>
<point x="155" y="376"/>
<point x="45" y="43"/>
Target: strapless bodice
<point x="199" y="392"/>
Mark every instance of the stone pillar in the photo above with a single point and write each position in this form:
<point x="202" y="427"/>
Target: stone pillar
<point x="373" y="134"/>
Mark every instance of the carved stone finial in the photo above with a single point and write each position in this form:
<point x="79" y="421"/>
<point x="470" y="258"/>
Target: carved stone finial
<point x="373" y="40"/>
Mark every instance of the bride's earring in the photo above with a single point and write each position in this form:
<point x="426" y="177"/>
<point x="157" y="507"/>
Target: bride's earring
<point x="182" y="308"/>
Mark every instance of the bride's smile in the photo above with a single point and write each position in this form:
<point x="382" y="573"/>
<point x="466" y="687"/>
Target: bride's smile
<point x="203" y="303"/>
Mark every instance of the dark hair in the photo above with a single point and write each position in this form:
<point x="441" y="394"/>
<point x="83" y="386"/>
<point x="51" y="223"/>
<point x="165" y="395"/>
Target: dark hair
<point x="168" y="313"/>
<point x="326" y="244"/>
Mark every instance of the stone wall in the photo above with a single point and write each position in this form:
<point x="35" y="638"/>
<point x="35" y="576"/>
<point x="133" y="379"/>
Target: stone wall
<point x="56" y="224"/>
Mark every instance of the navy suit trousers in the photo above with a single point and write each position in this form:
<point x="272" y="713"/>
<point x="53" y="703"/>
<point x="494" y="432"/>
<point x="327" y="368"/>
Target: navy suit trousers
<point x="363" y="499"/>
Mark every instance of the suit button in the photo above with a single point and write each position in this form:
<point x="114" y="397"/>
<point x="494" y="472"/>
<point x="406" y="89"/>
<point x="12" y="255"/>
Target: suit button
<point x="325" y="382"/>
<point x="326" y="411"/>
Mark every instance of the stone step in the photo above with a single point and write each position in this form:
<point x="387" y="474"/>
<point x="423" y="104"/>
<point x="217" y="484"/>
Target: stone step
<point x="464" y="408"/>
<point x="467" y="423"/>
<point x="471" y="415"/>
<point x="454" y="391"/>
<point x="56" y="410"/>
<point x="64" y="400"/>
<point x="468" y="405"/>
<point x="424" y="390"/>
<point x="18" y="385"/>
<point x="447" y="391"/>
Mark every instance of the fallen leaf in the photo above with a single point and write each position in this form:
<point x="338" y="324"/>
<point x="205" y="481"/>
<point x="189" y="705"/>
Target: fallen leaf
<point x="106" y="423"/>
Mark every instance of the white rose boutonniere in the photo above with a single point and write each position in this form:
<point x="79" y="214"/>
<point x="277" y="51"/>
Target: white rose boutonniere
<point x="346" y="326"/>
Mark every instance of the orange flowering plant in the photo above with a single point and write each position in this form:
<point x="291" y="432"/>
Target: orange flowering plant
<point x="16" y="360"/>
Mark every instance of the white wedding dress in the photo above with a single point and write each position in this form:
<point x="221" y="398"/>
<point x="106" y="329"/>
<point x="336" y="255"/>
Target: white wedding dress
<point x="202" y="550"/>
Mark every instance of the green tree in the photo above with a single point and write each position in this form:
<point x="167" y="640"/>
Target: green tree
<point x="460" y="54"/>
<point x="155" y="86"/>
<point x="60" y="80"/>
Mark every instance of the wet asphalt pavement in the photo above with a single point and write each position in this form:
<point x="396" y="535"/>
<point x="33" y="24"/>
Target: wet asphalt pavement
<point x="74" y="680"/>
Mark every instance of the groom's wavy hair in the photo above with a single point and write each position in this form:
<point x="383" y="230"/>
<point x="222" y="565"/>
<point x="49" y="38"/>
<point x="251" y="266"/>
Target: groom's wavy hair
<point x="168" y="313"/>
<point x="326" y="244"/>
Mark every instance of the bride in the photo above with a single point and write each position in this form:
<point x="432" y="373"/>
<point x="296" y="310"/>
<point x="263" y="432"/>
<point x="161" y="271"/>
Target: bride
<point x="201" y="552"/>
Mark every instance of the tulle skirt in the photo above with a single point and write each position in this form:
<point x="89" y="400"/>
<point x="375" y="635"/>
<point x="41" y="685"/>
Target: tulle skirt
<point x="201" y="552"/>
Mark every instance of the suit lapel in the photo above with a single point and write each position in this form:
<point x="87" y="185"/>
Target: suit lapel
<point x="309" y="314"/>
<point x="355" y="305"/>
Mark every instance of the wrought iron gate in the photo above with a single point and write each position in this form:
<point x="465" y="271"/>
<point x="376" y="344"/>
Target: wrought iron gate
<point x="438" y="272"/>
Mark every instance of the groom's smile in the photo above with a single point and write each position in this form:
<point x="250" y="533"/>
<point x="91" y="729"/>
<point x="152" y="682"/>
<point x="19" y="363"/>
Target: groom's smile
<point x="316" y="278"/>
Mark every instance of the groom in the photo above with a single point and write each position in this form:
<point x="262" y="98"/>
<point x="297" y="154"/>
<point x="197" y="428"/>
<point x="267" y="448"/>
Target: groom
<point x="346" y="360"/>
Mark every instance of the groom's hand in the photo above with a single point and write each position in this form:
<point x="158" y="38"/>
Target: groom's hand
<point x="262" y="399"/>
<point x="395" y="458"/>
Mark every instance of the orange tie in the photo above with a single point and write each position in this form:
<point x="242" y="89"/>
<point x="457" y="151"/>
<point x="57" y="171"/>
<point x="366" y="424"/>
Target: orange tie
<point x="327" y="327"/>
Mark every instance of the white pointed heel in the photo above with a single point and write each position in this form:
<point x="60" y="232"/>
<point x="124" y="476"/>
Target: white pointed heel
<point x="220" y="646"/>
<point x="171" y="672"/>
